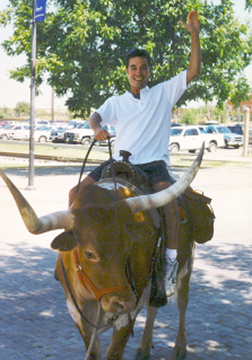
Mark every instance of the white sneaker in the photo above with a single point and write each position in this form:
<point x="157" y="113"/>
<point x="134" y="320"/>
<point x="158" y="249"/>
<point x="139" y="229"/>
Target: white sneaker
<point x="170" y="277"/>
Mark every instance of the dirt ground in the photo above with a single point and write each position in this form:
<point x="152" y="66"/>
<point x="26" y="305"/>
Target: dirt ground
<point x="219" y="315"/>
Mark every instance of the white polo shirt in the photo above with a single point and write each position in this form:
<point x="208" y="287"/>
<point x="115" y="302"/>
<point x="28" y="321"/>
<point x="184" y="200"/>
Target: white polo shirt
<point x="143" y="125"/>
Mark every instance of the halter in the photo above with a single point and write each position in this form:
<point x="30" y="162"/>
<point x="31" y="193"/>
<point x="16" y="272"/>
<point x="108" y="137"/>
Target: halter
<point x="88" y="284"/>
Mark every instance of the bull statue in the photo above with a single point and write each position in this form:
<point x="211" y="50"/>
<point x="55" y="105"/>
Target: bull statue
<point x="105" y="260"/>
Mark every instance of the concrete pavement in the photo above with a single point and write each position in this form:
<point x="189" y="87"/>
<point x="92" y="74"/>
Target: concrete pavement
<point x="34" y="321"/>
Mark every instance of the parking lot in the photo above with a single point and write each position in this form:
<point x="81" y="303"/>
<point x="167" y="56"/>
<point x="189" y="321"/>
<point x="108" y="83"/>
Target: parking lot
<point x="34" y="321"/>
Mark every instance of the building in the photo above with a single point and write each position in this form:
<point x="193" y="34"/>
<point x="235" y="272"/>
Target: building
<point x="237" y="113"/>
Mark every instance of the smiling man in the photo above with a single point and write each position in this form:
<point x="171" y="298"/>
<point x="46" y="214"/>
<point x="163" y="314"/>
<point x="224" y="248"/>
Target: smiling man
<point x="142" y="118"/>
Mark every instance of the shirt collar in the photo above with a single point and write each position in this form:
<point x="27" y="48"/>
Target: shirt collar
<point x="142" y="91"/>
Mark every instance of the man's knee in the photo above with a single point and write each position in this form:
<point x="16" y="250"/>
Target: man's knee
<point x="161" y="186"/>
<point x="73" y="192"/>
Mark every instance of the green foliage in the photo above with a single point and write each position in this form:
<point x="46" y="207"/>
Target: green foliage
<point x="189" y="116"/>
<point x="22" y="108"/>
<point x="203" y="114"/>
<point x="240" y="92"/>
<point x="248" y="5"/>
<point x="82" y="44"/>
<point x="5" y="112"/>
<point x="211" y="112"/>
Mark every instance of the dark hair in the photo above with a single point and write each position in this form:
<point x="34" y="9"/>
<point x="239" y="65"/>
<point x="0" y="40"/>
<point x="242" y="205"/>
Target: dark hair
<point x="137" y="52"/>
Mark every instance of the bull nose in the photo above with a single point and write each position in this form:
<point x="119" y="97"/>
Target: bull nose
<point x="120" y="303"/>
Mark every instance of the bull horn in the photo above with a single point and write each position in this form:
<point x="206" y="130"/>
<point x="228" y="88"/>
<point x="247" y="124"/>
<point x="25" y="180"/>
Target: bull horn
<point x="57" y="220"/>
<point x="161" y="198"/>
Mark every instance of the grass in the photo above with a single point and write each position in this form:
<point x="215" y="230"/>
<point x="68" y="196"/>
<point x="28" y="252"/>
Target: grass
<point x="78" y="152"/>
<point x="55" y="152"/>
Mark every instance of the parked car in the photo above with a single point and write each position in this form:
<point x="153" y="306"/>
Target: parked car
<point x="20" y="131"/>
<point x="191" y="138"/>
<point x="74" y="123"/>
<point x="82" y="134"/>
<point x="239" y="129"/>
<point x="42" y="133"/>
<point x="10" y="122"/>
<point x="230" y="138"/>
<point x="5" y="131"/>
<point x="175" y="124"/>
<point x="39" y="122"/>
<point x="57" y="134"/>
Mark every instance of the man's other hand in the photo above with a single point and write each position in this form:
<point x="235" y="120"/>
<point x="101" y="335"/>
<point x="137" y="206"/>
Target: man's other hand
<point x="192" y="22"/>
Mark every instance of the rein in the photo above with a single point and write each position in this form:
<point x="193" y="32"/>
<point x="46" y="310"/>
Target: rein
<point x="85" y="162"/>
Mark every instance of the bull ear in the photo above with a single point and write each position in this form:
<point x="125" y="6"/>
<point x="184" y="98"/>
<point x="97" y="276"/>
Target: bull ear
<point x="65" y="241"/>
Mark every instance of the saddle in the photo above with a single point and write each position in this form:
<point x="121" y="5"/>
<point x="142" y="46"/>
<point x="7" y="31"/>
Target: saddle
<point x="193" y="205"/>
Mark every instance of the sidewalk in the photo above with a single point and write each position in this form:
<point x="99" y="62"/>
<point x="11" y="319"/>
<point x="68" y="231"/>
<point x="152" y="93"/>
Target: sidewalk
<point x="34" y="321"/>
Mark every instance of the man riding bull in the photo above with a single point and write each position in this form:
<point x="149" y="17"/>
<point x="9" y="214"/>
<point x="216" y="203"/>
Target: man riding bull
<point x="142" y="118"/>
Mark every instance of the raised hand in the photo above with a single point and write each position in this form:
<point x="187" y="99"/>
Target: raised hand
<point x="192" y="22"/>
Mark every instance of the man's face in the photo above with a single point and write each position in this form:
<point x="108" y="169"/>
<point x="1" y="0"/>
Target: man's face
<point x="138" y="73"/>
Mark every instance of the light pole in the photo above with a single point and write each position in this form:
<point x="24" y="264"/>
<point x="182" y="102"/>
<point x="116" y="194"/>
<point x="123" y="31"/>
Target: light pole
<point x="32" y="101"/>
<point x="246" y="132"/>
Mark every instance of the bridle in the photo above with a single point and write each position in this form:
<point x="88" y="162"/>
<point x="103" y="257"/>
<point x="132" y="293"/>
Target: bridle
<point x="74" y="301"/>
<point x="89" y="285"/>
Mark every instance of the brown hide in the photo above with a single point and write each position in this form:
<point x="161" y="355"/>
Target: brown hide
<point x="105" y="236"/>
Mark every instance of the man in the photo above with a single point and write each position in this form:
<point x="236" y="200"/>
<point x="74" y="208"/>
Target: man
<point x="142" y="119"/>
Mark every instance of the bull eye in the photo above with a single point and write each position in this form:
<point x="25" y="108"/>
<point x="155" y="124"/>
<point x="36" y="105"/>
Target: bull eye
<point x="89" y="255"/>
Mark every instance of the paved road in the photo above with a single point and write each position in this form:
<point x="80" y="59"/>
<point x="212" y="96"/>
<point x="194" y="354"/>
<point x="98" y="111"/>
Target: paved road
<point x="35" y="324"/>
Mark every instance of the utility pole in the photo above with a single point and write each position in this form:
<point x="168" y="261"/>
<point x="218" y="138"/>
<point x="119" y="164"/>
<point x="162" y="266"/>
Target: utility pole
<point x="52" y="104"/>
<point x="246" y="132"/>
<point x="32" y="101"/>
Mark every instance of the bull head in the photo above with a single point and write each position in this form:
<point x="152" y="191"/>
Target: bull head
<point x="65" y="219"/>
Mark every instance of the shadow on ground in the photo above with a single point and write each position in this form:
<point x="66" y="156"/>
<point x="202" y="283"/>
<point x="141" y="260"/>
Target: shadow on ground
<point x="35" y="324"/>
<point x="60" y="170"/>
<point x="49" y="170"/>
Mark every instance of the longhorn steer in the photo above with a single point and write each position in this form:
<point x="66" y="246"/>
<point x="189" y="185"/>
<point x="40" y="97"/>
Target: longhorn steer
<point x="101" y="236"/>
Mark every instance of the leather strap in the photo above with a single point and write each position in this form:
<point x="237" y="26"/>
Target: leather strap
<point x="87" y="283"/>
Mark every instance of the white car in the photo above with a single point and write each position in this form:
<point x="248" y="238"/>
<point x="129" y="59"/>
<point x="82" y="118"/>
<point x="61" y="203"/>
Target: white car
<point x="20" y="132"/>
<point x="5" y="131"/>
<point x="42" y="133"/>
<point x="82" y="134"/>
<point x="191" y="137"/>
<point x="39" y="122"/>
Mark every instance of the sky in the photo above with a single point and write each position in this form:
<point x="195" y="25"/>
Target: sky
<point x="12" y="92"/>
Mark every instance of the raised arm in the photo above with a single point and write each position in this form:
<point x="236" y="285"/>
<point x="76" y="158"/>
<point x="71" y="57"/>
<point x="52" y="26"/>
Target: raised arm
<point x="193" y="27"/>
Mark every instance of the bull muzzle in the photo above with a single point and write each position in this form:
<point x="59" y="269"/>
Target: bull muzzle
<point x="119" y="302"/>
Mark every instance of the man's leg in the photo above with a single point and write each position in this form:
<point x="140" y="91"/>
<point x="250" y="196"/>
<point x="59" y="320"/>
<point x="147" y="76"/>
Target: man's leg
<point x="92" y="178"/>
<point x="73" y="192"/>
<point x="171" y="213"/>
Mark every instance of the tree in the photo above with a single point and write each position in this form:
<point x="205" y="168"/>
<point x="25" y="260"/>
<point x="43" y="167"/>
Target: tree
<point x="22" y="108"/>
<point x="82" y="43"/>
<point x="189" y="116"/>
<point x="240" y="93"/>
<point x="248" y="5"/>
<point x="5" y="112"/>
